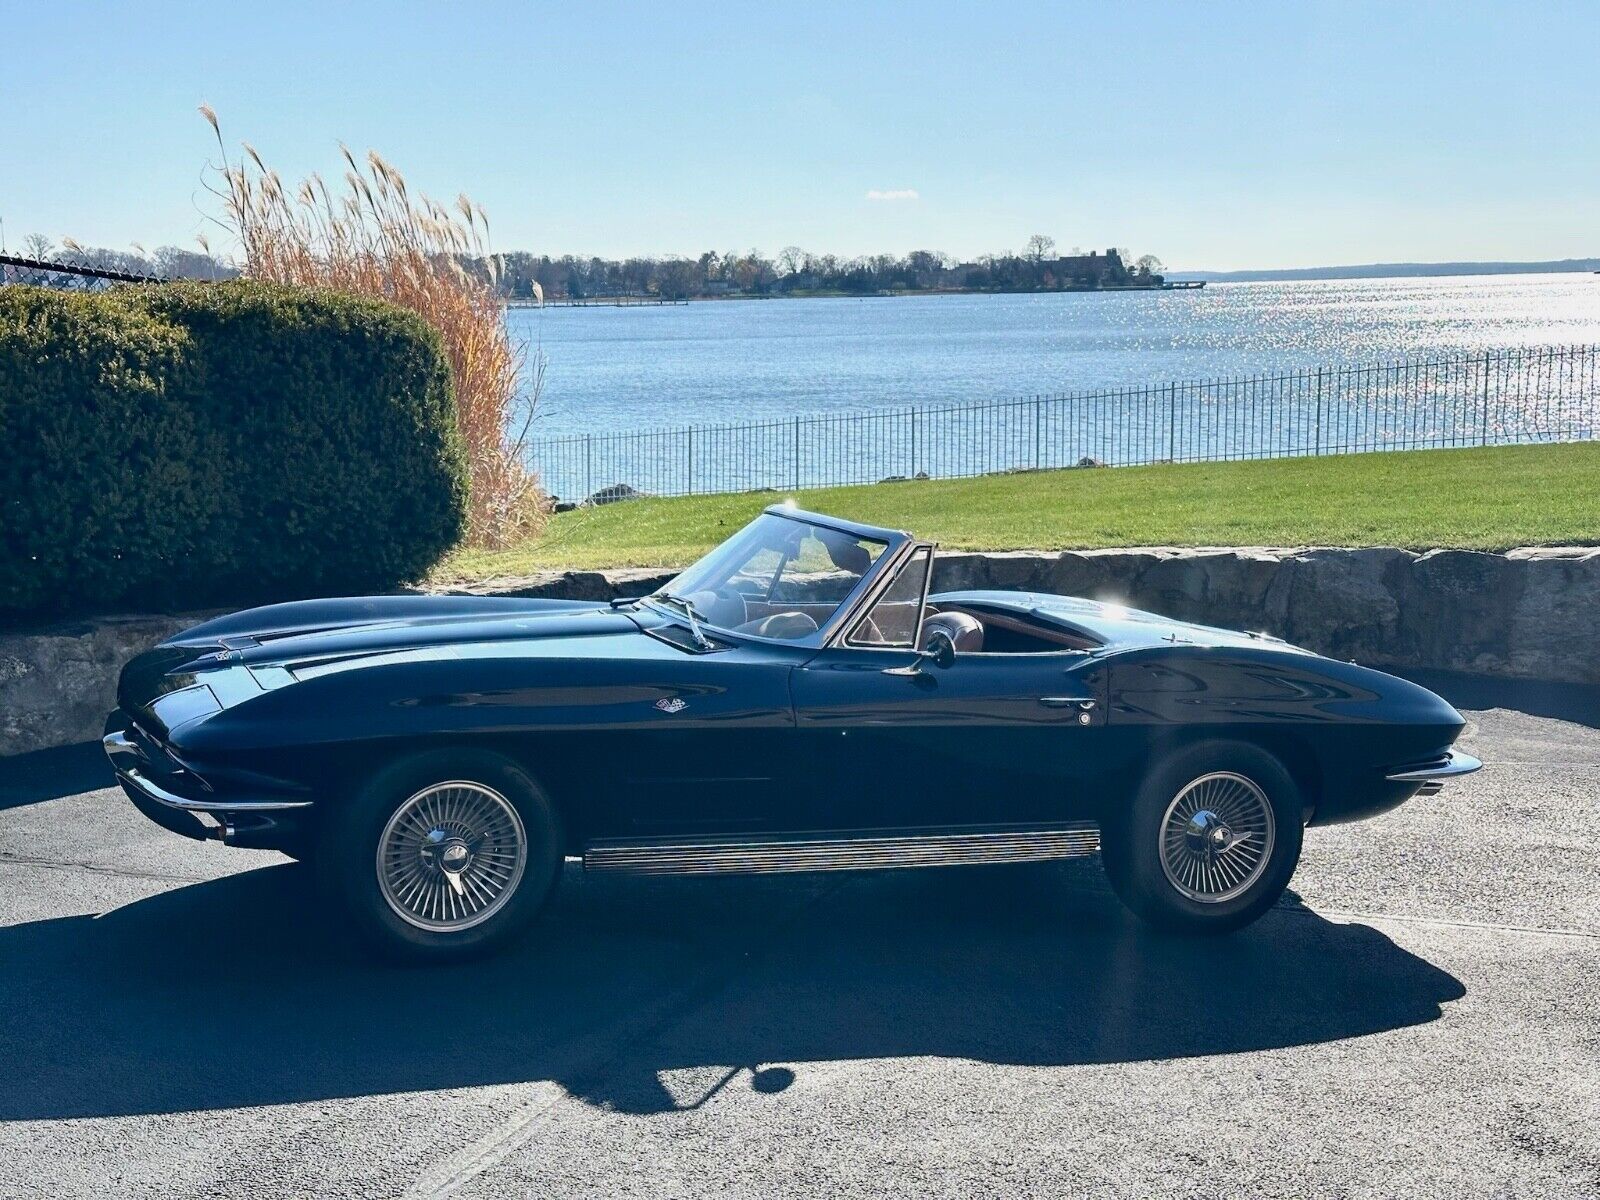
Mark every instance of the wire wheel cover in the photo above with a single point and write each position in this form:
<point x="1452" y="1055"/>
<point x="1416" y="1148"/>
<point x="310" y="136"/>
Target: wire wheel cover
<point x="1217" y="837"/>
<point x="451" y="856"/>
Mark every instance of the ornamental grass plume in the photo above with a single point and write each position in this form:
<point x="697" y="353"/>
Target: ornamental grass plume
<point x="372" y="237"/>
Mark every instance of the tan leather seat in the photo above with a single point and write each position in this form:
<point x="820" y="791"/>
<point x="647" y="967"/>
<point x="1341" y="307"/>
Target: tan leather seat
<point x="963" y="629"/>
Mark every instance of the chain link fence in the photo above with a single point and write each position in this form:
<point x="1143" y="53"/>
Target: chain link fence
<point x="1546" y="394"/>
<point x="64" y="276"/>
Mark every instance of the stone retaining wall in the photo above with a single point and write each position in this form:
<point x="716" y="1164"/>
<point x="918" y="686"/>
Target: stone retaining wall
<point x="1528" y="614"/>
<point x="58" y="685"/>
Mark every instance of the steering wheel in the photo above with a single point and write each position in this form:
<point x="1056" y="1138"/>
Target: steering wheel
<point x="783" y="625"/>
<point x="731" y="600"/>
<point x="867" y="631"/>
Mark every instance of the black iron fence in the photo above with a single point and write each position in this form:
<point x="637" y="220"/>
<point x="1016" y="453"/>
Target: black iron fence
<point x="63" y="275"/>
<point x="1544" y="394"/>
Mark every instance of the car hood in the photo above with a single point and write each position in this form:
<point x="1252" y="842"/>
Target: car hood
<point x="291" y="634"/>
<point x="313" y="637"/>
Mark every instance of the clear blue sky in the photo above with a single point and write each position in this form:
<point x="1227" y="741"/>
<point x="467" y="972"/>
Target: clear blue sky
<point x="1214" y="135"/>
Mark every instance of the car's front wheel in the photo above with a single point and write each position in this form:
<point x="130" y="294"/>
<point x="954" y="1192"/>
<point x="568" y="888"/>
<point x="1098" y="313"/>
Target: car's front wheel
<point x="1211" y="840"/>
<point x="443" y="855"/>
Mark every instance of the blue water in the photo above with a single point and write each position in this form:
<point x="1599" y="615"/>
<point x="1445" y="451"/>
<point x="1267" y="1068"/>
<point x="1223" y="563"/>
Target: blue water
<point x="611" y="370"/>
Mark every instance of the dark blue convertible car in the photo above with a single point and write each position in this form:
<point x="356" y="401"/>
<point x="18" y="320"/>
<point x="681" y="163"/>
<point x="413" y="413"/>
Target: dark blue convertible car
<point x="794" y="701"/>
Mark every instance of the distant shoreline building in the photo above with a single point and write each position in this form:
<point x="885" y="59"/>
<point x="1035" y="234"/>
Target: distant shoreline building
<point x="1068" y="271"/>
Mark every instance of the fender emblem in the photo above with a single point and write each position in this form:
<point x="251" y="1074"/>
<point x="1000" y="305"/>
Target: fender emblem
<point x="672" y="705"/>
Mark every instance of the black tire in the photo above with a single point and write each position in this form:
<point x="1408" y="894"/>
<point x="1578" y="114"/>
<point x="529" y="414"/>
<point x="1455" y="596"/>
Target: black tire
<point x="1132" y="842"/>
<point x="347" y="856"/>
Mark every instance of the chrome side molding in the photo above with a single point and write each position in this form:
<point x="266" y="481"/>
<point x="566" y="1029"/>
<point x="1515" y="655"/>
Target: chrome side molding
<point x="863" y="850"/>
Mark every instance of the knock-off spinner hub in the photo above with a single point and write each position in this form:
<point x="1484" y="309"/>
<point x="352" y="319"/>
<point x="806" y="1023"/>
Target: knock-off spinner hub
<point x="1208" y="833"/>
<point x="444" y="852"/>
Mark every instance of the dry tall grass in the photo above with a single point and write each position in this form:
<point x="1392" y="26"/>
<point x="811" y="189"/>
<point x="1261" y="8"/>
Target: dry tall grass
<point x="373" y="238"/>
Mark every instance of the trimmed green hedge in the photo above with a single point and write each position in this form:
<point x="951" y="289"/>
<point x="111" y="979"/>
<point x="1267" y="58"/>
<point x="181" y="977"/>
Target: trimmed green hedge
<point x="218" y="444"/>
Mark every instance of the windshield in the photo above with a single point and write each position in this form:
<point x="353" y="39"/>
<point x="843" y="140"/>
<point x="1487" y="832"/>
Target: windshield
<point x="778" y="577"/>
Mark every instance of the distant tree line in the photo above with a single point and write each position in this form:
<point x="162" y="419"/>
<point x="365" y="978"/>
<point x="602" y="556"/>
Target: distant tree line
<point x="796" y="271"/>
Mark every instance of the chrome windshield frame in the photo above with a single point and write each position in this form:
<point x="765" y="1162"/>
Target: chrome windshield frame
<point x="896" y="542"/>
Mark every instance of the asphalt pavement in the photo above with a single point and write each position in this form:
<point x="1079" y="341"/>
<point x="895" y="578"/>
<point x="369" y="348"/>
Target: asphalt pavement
<point x="1420" y="1017"/>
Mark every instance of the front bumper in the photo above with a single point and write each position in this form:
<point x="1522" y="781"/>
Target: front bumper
<point x="1434" y="775"/>
<point x="181" y="802"/>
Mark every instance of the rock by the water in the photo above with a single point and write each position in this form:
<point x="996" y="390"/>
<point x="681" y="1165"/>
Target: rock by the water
<point x="615" y="493"/>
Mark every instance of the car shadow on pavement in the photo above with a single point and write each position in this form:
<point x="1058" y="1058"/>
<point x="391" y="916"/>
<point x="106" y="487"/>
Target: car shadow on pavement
<point x="232" y="992"/>
<point x="51" y="774"/>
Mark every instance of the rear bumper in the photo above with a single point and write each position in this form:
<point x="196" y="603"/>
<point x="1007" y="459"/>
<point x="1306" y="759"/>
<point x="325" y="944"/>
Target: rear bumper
<point x="182" y="803"/>
<point x="1373" y="790"/>
<point x="1434" y="775"/>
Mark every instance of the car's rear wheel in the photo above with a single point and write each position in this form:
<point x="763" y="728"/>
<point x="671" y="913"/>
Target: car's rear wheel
<point x="1211" y="840"/>
<point x="443" y="855"/>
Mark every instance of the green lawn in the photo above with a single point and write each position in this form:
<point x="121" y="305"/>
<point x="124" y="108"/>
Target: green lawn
<point x="1485" y="499"/>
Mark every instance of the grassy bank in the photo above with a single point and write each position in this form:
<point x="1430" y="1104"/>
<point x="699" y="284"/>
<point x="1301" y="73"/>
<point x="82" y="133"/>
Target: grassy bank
<point x="1484" y="499"/>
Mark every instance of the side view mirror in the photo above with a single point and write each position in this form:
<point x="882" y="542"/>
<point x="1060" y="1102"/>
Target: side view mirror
<point x="941" y="652"/>
<point x="941" y="649"/>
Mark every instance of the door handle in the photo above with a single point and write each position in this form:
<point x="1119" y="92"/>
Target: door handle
<point x="1085" y="707"/>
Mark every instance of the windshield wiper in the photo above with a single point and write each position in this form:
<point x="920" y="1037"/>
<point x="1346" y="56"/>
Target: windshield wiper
<point x="700" y="639"/>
